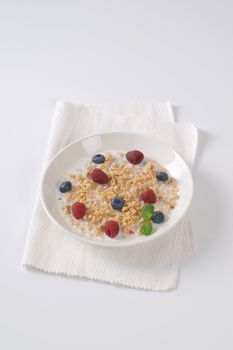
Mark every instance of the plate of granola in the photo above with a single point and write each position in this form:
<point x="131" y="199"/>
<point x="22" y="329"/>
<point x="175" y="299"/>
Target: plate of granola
<point x="117" y="189"/>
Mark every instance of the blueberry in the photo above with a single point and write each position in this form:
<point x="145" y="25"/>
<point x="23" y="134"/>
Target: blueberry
<point x="158" y="217"/>
<point x="161" y="176"/>
<point x="117" y="203"/>
<point x="65" y="186"/>
<point x="98" y="159"/>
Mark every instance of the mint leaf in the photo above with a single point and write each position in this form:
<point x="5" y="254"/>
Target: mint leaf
<point x="147" y="211"/>
<point x="146" y="229"/>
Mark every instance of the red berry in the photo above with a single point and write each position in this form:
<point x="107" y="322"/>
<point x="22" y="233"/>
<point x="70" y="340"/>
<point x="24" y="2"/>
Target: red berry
<point x="78" y="210"/>
<point x="135" y="157"/>
<point x="99" y="176"/>
<point x="111" y="228"/>
<point x="148" y="196"/>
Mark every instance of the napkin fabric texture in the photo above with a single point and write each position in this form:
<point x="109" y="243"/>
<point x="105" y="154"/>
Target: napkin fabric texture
<point x="151" y="266"/>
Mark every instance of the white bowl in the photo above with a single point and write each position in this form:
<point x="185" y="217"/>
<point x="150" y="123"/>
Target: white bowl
<point x="80" y="151"/>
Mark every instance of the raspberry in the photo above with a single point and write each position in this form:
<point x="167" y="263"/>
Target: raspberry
<point x="111" y="228"/>
<point x="135" y="157"/>
<point x="99" y="176"/>
<point x="78" y="210"/>
<point x="148" y="196"/>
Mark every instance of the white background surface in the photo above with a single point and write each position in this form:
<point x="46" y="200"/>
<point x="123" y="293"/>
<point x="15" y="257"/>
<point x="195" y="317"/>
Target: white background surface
<point x="116" y="51"/>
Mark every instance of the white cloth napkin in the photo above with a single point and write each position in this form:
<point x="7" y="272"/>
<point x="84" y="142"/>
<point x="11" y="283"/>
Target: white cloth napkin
<point x="153" y="265"/>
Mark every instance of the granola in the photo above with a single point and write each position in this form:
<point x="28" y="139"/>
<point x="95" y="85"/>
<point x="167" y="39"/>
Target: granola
<point x="120" y="198"/>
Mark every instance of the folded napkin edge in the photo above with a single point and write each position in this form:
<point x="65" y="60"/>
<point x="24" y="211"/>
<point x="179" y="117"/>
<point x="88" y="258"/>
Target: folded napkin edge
<point x="169" y="288"/>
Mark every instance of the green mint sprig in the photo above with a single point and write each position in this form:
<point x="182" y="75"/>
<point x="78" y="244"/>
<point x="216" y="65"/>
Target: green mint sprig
<point x="146" y="228"/>
<point x="147" y="212"/>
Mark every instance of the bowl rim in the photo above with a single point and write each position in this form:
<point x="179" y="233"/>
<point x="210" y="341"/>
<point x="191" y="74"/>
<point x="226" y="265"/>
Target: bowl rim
<point x="114" y="244"/>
